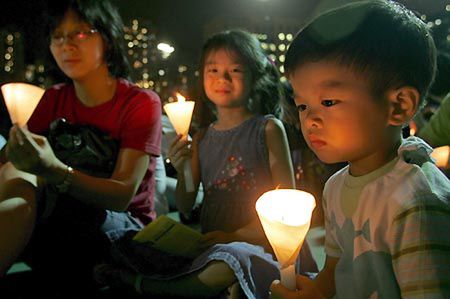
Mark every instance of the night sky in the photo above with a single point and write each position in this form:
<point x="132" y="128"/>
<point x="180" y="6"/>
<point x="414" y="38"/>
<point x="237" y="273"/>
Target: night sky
<point x="181" y="22"/>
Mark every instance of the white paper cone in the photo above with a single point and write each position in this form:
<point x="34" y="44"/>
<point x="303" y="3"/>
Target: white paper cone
<point x="288" y="277"/>
<point x="187" y="171"/>
<point x="285" y="216"/>
<point x="21" y="99"/>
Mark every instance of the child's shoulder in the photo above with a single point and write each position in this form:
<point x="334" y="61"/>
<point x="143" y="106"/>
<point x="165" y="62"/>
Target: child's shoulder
<point x="337" y="178"/>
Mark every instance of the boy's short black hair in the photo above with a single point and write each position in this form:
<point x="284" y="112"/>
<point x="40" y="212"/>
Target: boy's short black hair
<point x="382" y="40"/>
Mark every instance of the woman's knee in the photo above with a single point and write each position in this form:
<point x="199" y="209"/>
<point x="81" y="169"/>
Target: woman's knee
<point x="15" y="183"/>
<point x="9" y="172"/>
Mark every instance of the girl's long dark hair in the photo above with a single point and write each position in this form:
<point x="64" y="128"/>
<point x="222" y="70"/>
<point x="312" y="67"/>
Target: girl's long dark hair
<point x="266" y="91"/>
<point x="105" y="18"/>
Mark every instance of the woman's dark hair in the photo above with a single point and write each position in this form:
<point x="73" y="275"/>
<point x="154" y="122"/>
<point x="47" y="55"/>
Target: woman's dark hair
<point x="381" y="40"/>
<point x="266" y="90"/>
<point x="105" y="18"/>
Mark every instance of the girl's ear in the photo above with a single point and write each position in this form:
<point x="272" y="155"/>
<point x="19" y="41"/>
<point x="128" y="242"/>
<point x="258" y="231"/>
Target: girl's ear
<point x="403" y="104"/>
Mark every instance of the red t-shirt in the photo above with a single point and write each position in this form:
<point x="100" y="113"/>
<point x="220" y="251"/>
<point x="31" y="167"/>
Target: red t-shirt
<point x="132" y="116"/>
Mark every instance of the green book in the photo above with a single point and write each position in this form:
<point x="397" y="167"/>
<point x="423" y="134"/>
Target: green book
<point x="171" y="236"/>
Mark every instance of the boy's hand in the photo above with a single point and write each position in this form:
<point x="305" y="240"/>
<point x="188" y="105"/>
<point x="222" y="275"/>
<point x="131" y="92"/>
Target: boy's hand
<point x="306" y="289"/>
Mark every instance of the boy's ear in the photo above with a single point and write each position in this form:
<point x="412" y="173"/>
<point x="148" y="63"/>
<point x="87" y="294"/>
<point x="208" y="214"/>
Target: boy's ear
<point x="403" y="104"/>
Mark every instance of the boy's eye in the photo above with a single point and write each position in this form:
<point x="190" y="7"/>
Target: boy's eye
<point x="301" y="107"/>
<point x="211" y="70"/>
<point x="236" y="70"/>
<point x="329" y="103"/>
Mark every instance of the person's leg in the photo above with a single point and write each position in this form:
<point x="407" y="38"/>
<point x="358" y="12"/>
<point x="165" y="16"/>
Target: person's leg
<point x="210" y="281"/>
<point x="17" y="213"/>
<point x="235" y="291"/>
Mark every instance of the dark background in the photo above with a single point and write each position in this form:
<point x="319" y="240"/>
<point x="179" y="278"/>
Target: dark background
<point x="182" y="22"/>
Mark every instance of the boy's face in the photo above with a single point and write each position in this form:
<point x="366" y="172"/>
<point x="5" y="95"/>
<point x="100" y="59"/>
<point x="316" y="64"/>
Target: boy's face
<point x="339" y="116"/>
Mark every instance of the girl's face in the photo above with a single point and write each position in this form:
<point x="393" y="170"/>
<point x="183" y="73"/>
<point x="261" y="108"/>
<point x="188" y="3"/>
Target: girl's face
<point x="227" y="81"/>
<point x="77" y="47"/>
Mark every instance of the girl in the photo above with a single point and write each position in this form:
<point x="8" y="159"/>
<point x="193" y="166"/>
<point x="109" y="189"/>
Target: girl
<point x="90" y="211"/>
<point x="239" y="155"/>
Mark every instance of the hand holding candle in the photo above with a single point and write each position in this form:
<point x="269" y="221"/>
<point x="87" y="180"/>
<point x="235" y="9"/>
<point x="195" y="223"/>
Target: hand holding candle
<point x="180" y="115"/>
<point x="21" y="99"/>
<point x="441" y="155"/>
<point x="285" y="215"/>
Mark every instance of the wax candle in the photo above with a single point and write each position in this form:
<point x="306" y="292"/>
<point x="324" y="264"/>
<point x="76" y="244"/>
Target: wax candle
<point x="285" y="215"/>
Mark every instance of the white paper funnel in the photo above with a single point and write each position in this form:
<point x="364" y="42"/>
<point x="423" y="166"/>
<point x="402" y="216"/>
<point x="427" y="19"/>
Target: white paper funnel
<point x="180" y="115"/>
<point x="285" y="215"/>
<point x="21" y="99"/>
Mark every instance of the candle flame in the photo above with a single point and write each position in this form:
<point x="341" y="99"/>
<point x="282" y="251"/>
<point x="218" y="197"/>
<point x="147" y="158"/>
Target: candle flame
<point x="180" y="97"/>
<point x="412" y="128"/>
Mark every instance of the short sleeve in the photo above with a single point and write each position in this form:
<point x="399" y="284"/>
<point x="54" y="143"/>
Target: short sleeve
<point x="142" y="128"/>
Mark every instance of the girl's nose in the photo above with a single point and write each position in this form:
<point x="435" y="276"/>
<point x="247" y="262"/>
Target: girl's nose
<point x="225" y="76"/>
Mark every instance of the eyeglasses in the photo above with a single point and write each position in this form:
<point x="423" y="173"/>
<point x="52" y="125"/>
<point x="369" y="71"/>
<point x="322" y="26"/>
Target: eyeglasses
<point x="76" y="37"/>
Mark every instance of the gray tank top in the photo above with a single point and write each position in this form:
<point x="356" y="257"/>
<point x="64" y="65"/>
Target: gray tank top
<point x="235" y="171"/>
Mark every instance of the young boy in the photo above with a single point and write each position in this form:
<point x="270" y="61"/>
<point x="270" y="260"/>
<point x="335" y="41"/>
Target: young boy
<point x="359" y="73"/>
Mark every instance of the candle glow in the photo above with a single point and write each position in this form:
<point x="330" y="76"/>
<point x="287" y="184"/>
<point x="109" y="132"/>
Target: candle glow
<point x="21" y="99"/>
<point x="180" y="115"/>
<point x="285" y="215"/>
<point x="441" y="155"/>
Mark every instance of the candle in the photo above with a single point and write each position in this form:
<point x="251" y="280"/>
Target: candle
<point x="412" y="128"/>
<point x="180" y="115"/>
<point x="441" y="156"/>
<point x="285" y="216"/>
<point x="21" y="99"/>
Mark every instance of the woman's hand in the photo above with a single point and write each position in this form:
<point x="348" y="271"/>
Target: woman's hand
<point x="179" y="151"/>
<point x="32" y="153"/>
<point x="216" y="237"/>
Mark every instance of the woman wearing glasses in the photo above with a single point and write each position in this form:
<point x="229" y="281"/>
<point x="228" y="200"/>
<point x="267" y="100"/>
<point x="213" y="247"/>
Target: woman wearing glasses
<point x="73" y="231"/>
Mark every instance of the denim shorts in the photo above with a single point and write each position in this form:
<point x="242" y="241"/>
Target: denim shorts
<point x="76" y="235"/>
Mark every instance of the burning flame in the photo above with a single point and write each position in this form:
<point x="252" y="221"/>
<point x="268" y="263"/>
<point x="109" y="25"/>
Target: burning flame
<point x="180" y="97"/>
<point x="412" y="128"/>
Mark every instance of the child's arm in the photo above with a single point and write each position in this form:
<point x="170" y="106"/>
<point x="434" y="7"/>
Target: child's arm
<point x="321" y="287"/>
<point x="325" y="282"/>
<point x="179" y="151"/>
<point x="279" y="155"/>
